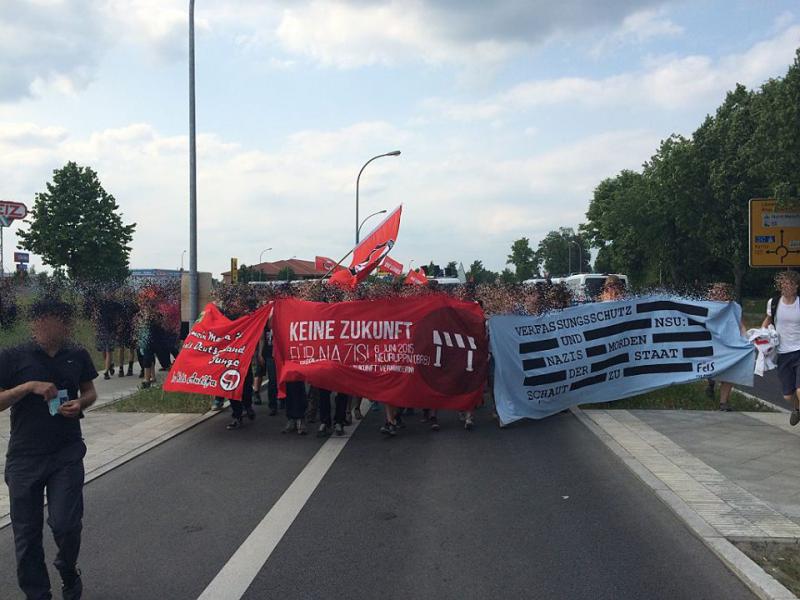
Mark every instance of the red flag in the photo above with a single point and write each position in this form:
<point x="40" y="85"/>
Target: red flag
<point x="372" y="250"/>
<point x="392" y="266"/>
<point x="415" y="278"/>
<point x="216" y="354"/>
<point x="426" y="352"/>
<point x="323" y="263"/>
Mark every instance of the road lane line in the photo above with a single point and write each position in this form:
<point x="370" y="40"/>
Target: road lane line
<point x="233" y="581"/>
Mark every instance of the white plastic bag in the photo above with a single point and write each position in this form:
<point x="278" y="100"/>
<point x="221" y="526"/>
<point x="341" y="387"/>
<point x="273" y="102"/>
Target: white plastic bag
<point x="766" y="341"/>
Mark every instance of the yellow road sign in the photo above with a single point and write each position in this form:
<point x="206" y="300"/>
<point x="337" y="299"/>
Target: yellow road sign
<point x="774" y="235"/>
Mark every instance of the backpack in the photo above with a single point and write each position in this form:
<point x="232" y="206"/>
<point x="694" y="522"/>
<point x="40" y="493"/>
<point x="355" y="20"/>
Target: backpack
<point x="773" y="306"/>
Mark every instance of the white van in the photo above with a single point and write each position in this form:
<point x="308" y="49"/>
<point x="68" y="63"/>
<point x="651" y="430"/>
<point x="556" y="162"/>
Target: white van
<point x="586" y="287"/>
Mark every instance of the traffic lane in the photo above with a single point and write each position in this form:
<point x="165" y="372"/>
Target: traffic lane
<point x="768" y="388"/>
<point x="538" y="510"/>
<point x="163" y="525"/>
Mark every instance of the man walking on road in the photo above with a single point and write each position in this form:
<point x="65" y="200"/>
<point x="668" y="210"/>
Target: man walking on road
<point x="47" y="383"/>
<point x="783" y="311"/>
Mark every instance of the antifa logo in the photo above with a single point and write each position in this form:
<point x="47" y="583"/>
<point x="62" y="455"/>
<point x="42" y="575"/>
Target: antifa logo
<point x="229" y="380"/>
<point x="456" y="345"/>
<point x="375" y="255"/>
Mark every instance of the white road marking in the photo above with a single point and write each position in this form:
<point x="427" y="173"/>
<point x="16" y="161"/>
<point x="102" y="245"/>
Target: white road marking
<point x="232" y="582"/>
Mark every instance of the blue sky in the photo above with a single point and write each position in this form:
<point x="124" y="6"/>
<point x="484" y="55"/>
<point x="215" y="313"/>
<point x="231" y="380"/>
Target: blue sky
<point x="507" y="113"/>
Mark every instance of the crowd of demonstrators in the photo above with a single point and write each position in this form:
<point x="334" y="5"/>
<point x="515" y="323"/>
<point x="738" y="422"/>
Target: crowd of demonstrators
<point x="142" y="325"/>
<point x="335" y="410"/>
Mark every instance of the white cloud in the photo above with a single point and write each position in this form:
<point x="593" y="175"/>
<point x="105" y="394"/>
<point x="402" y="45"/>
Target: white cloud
<point x="299" y="199"/>
<point x="667" y="83"/>
<point x="638" y="28"/>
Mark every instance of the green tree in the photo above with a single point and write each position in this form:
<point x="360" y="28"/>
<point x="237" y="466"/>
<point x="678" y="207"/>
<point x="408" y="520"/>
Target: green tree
<point x="433" y="270"/>
<point x="451" y="270"/>
<point x="248" y="274"/>
<point x="76" y="224"/>
<point x="479" y="274"/>
<point x="523" y="258"/>
<point x="508" y="276"/>
<point x="286" y="274"/>
<point x="562" y="252"/>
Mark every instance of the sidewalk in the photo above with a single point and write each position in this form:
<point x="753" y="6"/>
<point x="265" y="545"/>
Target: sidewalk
<point x="729" y="476"/>
<point x="111" y="438"/>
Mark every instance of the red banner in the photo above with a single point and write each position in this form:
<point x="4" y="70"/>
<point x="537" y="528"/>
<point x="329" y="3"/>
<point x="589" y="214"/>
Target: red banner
<point x="216" y="354"/>
<point x="392" y="266"/>
<point x="325" y="264"/>
<point x="427" y="352"/>
<point x="415" y="278"/>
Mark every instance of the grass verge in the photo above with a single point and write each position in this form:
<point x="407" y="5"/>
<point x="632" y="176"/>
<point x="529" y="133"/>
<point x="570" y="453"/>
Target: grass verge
<point x="156" y="400"/>
<point x="689" y="396"/>
<point x="779" y="559"/>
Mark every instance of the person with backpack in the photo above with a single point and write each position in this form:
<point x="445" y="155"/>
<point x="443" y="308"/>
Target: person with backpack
<point x="783" y="311"/>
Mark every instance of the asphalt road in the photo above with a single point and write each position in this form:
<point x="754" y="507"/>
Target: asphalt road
<point x="768" y="388"/>
<point x="537" y="510"/>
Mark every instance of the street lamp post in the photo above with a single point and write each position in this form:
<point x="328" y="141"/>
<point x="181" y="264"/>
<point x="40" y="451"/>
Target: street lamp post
<point x="194" y="295"/>
<point x="380" y="212"/>
<point x="358" y="180"/>
<point x="580" y="255"/>
<point x="260" y="258"/>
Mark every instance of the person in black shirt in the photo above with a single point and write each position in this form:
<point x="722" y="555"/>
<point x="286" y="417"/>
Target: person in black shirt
<point x="47" y="383"/>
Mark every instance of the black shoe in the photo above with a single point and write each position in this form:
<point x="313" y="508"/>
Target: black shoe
<point x="399" y="420"/>
<point x="323" y="431"/>
<point x="111" y="370"/>
<point x="106" y="376"/>
<point x="291" y="426"/>
<point x="725" y="407"/>
<point x="338" y="429"/>
<point x="251" y="414"/>
<point x="122" y="372"/>
<point x="435" y="424"/>
<point x="392" y="429"/>
<point x="235" y="424"/>
<point x="141" y="374"/>
<point x="385" y="429"/>
<point x="145" y="385"/>
<point x="72" y="588"/>
<point x="130" y="370"/>
<point x="257" y="400"/>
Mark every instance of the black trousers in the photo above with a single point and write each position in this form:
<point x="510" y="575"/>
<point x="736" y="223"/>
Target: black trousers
<point x="272" y="383"/>
<point x="340" y="411"/>
<point x="296" y="401"/>
<point x="246" y="404"/>
<point x="60" y="475"/>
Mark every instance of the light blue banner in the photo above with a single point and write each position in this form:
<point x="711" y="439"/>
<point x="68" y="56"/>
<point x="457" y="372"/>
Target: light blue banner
<point x="607" y="351"/>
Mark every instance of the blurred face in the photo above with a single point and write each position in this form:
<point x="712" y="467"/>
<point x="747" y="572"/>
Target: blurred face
<point x="787" y="286"/>
<point x="719" y="293"/>
<point x="51" y="331"/>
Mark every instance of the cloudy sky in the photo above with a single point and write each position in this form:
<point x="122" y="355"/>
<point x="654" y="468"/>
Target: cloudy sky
<point x="508" y="113"/>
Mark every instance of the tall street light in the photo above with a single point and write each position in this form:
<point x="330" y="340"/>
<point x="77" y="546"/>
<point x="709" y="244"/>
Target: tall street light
<point x="380" y="212"/>
<point x="194" y="296"/>
<point x="260" y="257"/>
<point x="358" y="180"/>
<point x="580" y="255"/>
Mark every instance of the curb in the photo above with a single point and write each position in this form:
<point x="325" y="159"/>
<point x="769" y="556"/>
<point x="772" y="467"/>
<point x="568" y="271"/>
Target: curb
<point x="766" y="403"/>
<point x="754" y="577"/>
